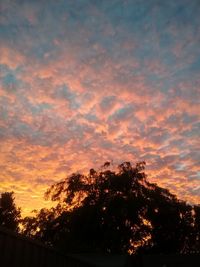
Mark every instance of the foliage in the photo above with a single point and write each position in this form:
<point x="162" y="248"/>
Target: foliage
<point x="9" y="214"/>
<point x="116" y="212"/>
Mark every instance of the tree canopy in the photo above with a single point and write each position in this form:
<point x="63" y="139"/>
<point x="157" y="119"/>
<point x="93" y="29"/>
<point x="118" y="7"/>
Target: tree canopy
<point x="116" y="211"/>
<point x="9" y="214"/>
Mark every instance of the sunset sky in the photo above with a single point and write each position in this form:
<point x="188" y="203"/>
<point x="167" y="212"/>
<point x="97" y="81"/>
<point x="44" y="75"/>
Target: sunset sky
<point x="88" y="81"/>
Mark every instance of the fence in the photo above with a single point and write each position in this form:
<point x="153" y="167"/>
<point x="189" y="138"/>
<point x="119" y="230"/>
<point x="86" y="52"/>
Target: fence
<point x="170" y="260"/>
<point x="19" y="251"/>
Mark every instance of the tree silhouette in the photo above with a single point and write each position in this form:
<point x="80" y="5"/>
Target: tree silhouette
<point x="117" y="212"/>
<point x="9" y="213"/>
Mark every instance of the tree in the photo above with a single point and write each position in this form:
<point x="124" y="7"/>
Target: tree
<point x="117" y="212"/>
<point x="102" y="203"/>
<point x="9" y="214"/>
<point x="194" y="238"/>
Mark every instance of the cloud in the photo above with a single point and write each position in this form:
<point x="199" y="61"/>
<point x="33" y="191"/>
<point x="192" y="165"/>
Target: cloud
<point x="84" y="83"/>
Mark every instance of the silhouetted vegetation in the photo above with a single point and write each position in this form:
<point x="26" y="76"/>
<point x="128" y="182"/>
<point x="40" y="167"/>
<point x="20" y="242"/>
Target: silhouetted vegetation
<point x="116" y="211"/>
<point x="9" y="214"/>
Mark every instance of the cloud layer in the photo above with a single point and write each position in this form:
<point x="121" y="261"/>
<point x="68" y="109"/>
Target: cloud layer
<point x="83" y="82"/>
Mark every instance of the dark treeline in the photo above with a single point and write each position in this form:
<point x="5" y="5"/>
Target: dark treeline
<point x="10" y="215"/>
<point x="110" y="211"/>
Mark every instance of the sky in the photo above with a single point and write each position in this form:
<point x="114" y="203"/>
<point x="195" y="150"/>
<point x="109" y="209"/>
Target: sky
<point x="88" y="81"/>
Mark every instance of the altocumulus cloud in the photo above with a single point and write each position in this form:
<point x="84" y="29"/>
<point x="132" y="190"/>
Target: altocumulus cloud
<point x="83" y="82"/>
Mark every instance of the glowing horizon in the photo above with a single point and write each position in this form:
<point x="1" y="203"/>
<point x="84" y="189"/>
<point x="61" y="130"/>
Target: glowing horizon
<point x="85" y="82"/>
